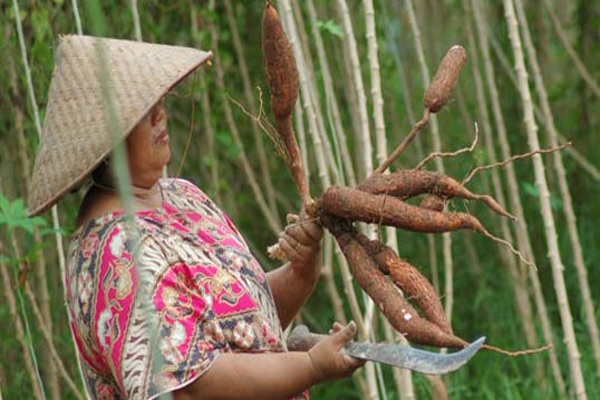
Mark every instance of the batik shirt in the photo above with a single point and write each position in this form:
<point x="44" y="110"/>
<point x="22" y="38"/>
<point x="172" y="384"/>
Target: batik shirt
<point x="152" y="307"/>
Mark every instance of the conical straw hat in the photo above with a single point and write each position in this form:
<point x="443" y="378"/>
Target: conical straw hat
<point x="76" y="136"/>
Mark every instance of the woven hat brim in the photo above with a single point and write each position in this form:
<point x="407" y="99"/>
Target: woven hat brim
<point x="76" y="135"/>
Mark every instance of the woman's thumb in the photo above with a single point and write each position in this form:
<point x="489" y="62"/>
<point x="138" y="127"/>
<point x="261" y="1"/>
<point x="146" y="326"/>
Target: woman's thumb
<point x="348" y="332"/>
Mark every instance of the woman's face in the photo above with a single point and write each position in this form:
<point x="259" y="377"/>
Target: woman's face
<point x="148" y="148"/>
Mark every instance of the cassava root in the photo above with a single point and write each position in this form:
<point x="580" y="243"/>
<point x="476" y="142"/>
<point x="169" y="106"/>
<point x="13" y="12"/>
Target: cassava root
<point x="386" y="296"/>
<point x="408" y="183"/>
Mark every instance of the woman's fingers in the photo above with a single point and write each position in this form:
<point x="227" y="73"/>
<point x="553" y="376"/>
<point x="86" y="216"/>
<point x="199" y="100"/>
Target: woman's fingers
<point x="291" y="249"/>
<point x="306" y="232"/>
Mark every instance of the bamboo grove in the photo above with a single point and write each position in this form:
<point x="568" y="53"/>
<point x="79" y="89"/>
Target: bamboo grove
<point x="528" y="86"/>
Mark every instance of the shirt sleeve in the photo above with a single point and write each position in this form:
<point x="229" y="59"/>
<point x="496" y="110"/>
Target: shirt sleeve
<point x="189" y="336"/>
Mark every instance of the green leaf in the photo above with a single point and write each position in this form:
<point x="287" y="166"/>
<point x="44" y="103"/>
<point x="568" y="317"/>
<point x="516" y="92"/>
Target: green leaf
<point x="14" y="215"/>
<point x="531" y="189"/>
<point x="331" y="27"/>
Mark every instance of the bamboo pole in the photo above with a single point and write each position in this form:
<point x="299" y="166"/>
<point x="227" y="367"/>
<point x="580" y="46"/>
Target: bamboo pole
<point x="20" y="331"/>
<point x="546" y="209"/>
<point x="332" y="104"/>
<point x="516" y="207"/>
<point x="49" y="370"/>
<point x="404" y="381"/>
<point x="302" y="139"/>
<point x="552" y="135"/>
<point x="435" y="130"/>
<point x="296" y="16"/>
<point x="579" y="65"/>
<point x="41" y="271"/>
<point x="364" y="140"/>
<point x="46" y="333"/>
<point x="258" y="142"/>
<point x="243" y="159"/>
<point x="136" y="21"/>
<point x="583" y="162"/>
<point x="325" y="181"/>
<point x="524" y="306"/>
<point x="305" y="94"/>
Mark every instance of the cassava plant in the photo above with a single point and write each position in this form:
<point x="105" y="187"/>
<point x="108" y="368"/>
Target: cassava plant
<point x="380" y="199"/>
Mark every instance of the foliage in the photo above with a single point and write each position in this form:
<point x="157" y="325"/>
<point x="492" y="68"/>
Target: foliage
<point x="485" y="303"/>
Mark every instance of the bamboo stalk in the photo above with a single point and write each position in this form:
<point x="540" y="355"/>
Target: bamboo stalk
<point x="583" y="162"/>
<point x="365" y="154"/>
<point x="524" y="307"/>
<point x="550" y="229"/>
<point x="446" y="239"/>
<point x="332" y="104"/>
<point x="258" y="142"/>
<point x="55" y="390"/>
<point x="210" y="139"/>
<point x="243" y="159"/>
<point x="296" y="16"/>
<point x="324" y="177"/>
<point x="20" y="332"/>
<point x="579" y="65"/>
<point x="305" y="93"/>
<point x="302" y="140"/>
<point x="552" y="135"/>
<point x="405" y="386"/>
<point x="77" y="17"/>
<point x="364" y="140"/>
<point x="49" y="370"/>
<point x="516" y="207"/>
<point x="136" y="21"/>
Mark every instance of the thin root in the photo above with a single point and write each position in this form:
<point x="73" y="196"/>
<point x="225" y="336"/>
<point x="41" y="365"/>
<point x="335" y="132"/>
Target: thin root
<point x="511" y="159"/>
<point x="510" y="246"/>
<point x="517" y="353"/>
<point x="452" y="154"/>
<point x="264" y="125"/>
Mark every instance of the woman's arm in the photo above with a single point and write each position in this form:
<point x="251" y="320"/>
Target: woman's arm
<point x="274" y="375"/>
<point x="293" y="283"/>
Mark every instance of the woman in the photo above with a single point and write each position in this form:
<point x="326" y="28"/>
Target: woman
<point x="173" y="301"/>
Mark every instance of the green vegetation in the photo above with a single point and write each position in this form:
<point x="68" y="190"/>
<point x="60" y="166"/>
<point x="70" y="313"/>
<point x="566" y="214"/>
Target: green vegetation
<point x="484" y="296"/>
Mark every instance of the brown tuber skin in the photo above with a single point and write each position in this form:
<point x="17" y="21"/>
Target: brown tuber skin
<point x="280" y="64"/>
<point x="357" y="205"/>
<point x="282" y="76"/>
<point x="433" y="203"/>
<point x="408" y="278"/>
<point x="445" y="79"/>
<point x="386" y="296"/>
<point x="408" y="183"/>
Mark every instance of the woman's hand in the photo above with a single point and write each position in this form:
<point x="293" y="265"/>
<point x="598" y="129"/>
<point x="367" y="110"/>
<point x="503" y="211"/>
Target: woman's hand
<point x="301" y="245"/>
<point x="328" y="358"/>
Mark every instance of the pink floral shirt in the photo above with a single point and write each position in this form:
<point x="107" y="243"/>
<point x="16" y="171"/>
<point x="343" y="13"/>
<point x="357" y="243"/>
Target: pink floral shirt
<point x="151" y="321"/>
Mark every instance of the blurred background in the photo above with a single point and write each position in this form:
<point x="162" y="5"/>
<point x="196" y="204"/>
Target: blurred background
<point x="364" y="66"/>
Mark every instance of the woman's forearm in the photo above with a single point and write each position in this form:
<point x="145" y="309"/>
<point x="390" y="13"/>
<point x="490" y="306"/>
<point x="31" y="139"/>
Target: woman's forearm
<point x="290" y="290"/>
<point x="253" y="376"/>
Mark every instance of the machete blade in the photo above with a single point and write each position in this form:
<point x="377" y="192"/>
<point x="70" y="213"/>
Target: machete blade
<point x="414" y="359"/>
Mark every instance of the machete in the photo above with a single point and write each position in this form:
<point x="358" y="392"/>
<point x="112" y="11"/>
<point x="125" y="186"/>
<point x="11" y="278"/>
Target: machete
<point x="397" y="355"/>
